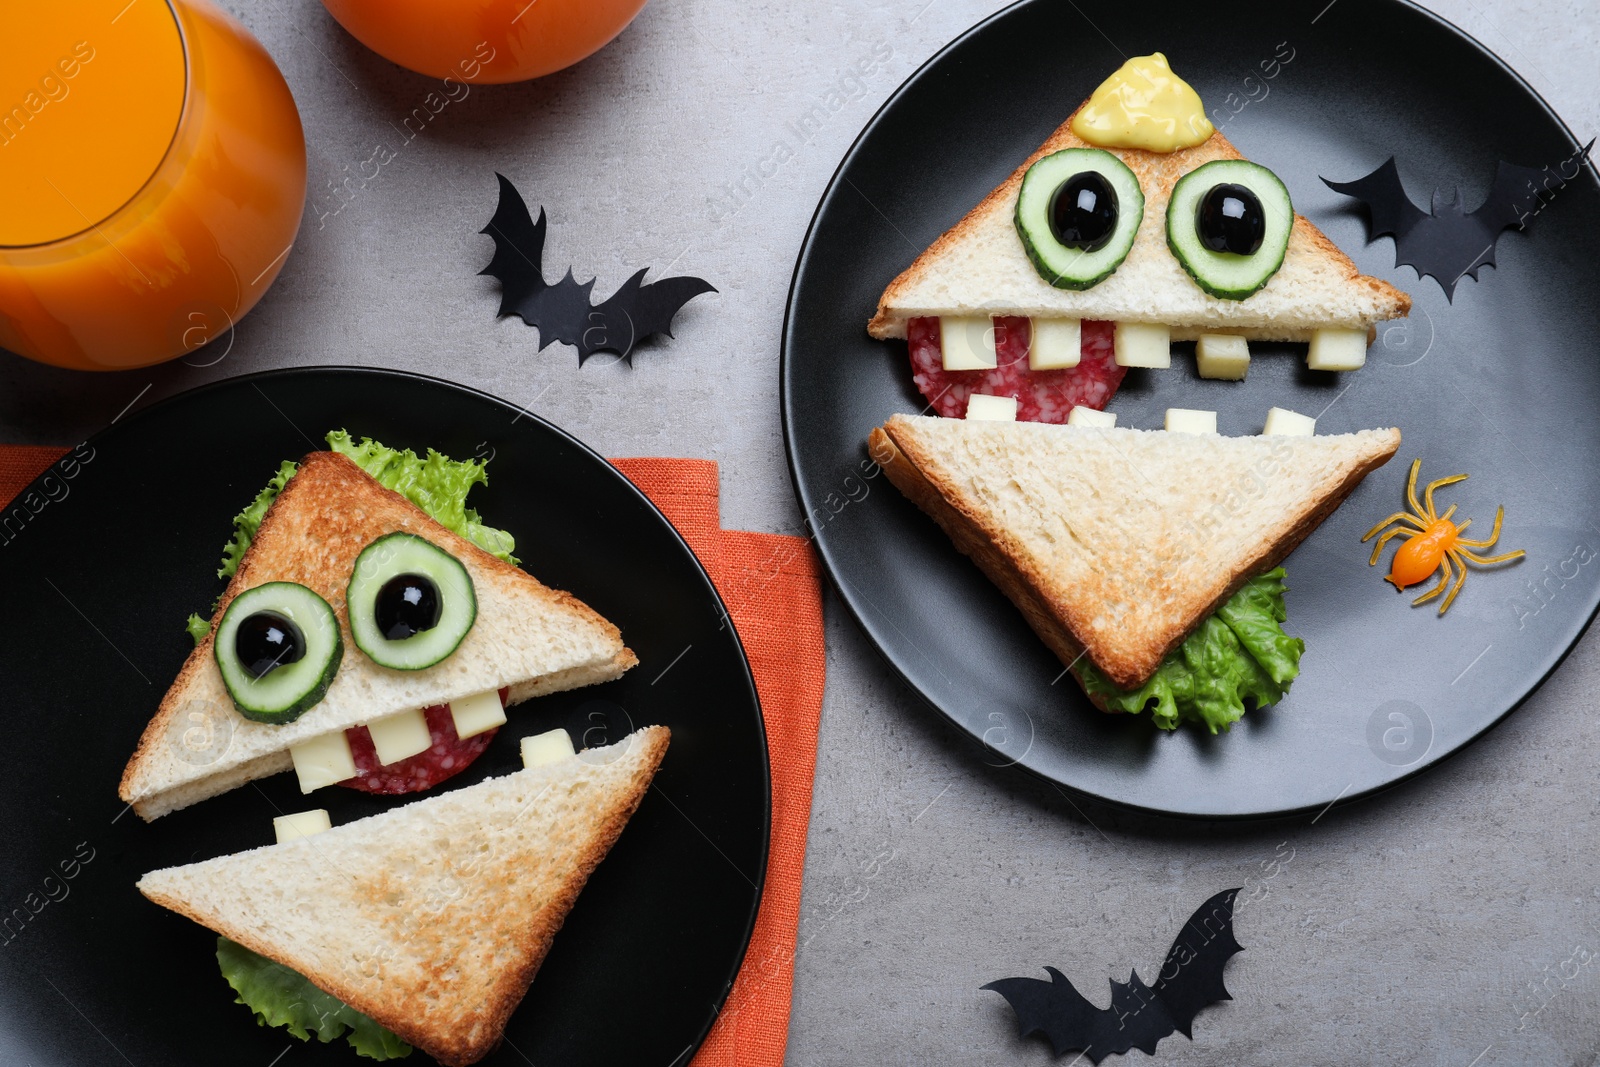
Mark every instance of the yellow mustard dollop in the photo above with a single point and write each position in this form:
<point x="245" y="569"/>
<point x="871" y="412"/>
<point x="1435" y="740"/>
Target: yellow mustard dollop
<point x="1144" y="105"/>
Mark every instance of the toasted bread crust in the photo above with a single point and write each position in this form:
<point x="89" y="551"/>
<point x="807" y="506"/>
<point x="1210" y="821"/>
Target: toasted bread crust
<point x="1056" y="614"/>
<point x="475" y="1023"/>
<point x="320" y="557"/>
<point x="1157" y="172"/>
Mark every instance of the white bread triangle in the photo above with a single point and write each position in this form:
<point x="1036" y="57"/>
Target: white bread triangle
<point x="527" y="637"/>
<point x="979" y="268"/>
<point x="1117" y="543"/>
<point x="432" y="917"/>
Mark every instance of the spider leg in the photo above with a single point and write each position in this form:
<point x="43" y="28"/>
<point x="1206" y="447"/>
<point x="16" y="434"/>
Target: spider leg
<point x="1399" y="516"/>
<point x="1460" y="581"/>
<point x="1444" y="580"/>
<point x="1463" y="526"/>
<point x="1451" y="510"/>
<point x="1494" y="535"/>
<point x="1484" y="560"/>
<point x="1398" y="531"/>
<point x="1411" y="489"/>
<point x="1427" y="494"/>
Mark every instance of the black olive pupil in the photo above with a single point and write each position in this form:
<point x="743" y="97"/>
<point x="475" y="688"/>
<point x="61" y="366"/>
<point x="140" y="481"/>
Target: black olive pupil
<point x="266" y="640"/>
<point x="1083" y="212"/>
<point x="1230" y="219"/>
<point x="406" y="605"/>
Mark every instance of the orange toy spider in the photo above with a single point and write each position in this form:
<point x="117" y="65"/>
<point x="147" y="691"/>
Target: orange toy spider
<point x="1433" y="542"/>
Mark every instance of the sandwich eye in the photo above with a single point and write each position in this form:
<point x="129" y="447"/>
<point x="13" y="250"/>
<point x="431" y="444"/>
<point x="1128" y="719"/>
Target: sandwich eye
<point x="1083" y="213"/>
<point x="406" y="605"/>
<point x="411" y="603"/>
<point x="1231" y="219"/>
<point x="266" y="641"/>
<point x="1078" y="212"/>
<point x="1228" y="223"/>
<point x="278" y="648"/>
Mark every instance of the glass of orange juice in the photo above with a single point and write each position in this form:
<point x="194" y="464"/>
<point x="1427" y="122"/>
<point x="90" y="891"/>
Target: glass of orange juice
<point x="484" y="40"/>
<point x="152" y="179"/>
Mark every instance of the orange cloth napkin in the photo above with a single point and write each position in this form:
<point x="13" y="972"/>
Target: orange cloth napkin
<point x="773" y="590"/>
<point x="21" y="464"/>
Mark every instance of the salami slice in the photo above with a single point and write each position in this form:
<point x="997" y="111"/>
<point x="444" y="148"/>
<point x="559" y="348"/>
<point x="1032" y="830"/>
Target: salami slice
<point x="448" y="756"/>
<point x="1042" y="395"/>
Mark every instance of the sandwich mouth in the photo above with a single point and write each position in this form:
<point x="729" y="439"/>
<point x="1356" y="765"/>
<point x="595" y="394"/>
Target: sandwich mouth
<point x="408" y="751"/>
<point x="1049" y="366"/>
<point x="204" y="746"/>
<point x="388" y="756"/>
<point x="401" y="750"/>
<point x="412" y="749"/>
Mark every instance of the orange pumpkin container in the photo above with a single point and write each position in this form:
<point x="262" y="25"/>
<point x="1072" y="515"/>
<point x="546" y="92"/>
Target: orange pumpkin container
<point x="484" y="40"/>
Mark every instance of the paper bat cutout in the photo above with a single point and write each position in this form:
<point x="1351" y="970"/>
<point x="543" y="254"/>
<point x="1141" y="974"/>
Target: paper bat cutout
<point x="1447" y="241"/>
<point x="563" y="311"/>
<point x="1139" y="1015"/>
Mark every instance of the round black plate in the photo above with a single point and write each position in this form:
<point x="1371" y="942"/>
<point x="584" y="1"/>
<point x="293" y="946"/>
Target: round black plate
<point x="100" y="581"/>
<point x="1504" y="384"/>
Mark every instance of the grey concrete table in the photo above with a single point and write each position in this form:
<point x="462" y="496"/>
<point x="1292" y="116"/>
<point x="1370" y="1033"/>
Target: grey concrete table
<point x="1453" y="921"/>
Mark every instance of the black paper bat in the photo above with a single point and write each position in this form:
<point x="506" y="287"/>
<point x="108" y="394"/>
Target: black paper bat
<point x="563" y="311"/>
<point x="1447" y="241"/>
<point x="1139" y="1015"/>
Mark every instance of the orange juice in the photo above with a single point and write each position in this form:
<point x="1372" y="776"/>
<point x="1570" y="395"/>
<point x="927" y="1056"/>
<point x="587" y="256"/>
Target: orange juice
<point x="152" y="179"/>
<point x="449" y="38"/>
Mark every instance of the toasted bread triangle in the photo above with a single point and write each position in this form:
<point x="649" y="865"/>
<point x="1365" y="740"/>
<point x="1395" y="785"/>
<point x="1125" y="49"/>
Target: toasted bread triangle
<point x="1117" y="543"/>
<point x="432" y="917"/>
<point x="979" y="268"/>
<point x="527" y="637"/>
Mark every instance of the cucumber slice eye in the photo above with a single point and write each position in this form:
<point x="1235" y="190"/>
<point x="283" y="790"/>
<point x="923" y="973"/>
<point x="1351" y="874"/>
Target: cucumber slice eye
<point x="1228" y="223"/>
<point x="411" y="603"/>
<point x="1077" y="213"/>
<point x="278" y="648"/>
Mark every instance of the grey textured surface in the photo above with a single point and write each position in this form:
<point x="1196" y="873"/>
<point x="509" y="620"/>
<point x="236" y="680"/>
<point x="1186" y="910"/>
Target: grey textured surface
<point x="1450" y="921"/>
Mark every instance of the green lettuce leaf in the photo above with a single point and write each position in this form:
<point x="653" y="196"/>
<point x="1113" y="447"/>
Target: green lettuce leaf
<point x="1254" y="614"/>
<point x="248" y="521"/>
<point x="1240" y="653"/>
<point x="282" y="997"/>
<point x="437" y="484"/>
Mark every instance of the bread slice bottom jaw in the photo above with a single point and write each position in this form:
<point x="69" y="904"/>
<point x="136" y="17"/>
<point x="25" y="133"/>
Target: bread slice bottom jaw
<point x="1118" y="579"/>
<point x="433" y="917"/>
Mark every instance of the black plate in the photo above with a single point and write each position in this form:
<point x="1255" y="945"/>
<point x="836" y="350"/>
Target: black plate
<point x="1504" y="384"/>
<point x="100" y="581"/>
